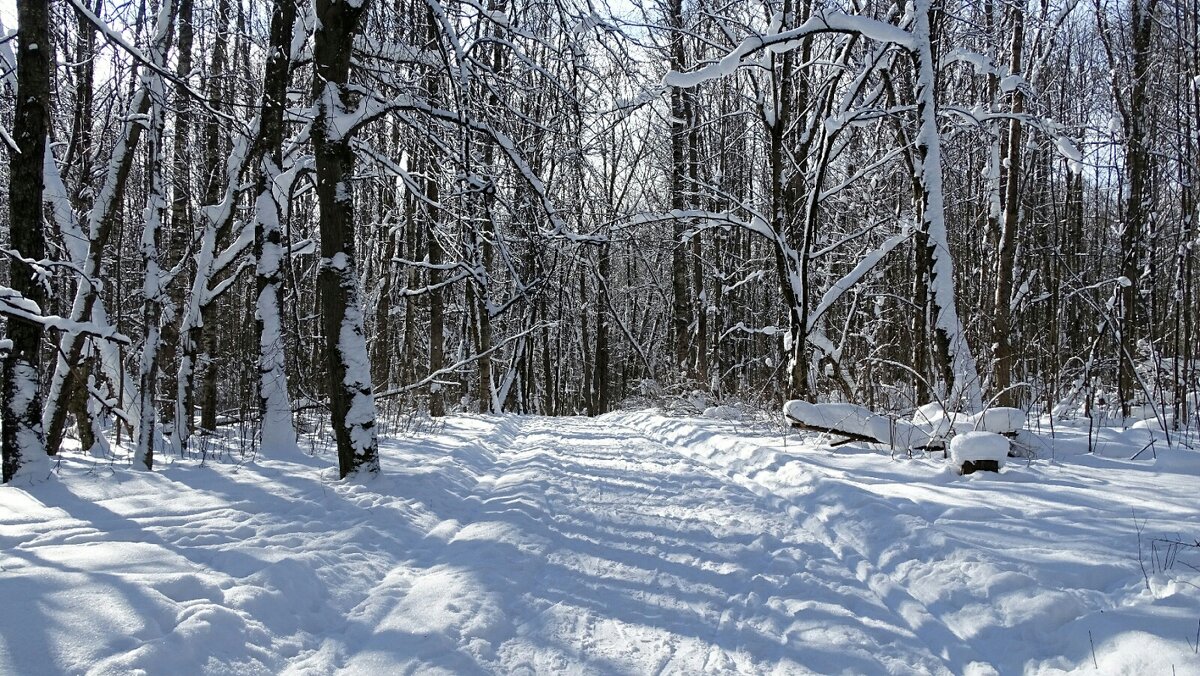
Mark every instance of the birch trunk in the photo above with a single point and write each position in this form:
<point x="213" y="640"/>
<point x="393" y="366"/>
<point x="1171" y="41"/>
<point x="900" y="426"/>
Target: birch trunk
<point x="146" y="438"/>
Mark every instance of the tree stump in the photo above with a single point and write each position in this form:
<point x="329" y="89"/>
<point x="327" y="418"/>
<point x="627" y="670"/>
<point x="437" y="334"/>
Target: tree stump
<point x="970" y="466"/>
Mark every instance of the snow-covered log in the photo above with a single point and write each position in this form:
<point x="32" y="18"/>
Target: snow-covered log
<point x="1000" y="420"/>
<point x="855" y="423"/>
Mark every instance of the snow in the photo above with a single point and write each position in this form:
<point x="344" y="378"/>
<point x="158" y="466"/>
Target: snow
<point x="937" y="421"/>
<point x="1068" y="149"/>
<point x="785" y="40"/>
<point x="844" y="417"/>
<point x="723" y="412"/>
<point x="630" y="543"/>
<point x="999" y="419"/>
<point x="975" y="446"/>
<point x="855" y="419"/>
<point x="1153" y="424"/>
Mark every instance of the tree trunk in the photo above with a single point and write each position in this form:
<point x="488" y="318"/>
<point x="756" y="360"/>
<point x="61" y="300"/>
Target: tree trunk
<point x="681" y="308"/>
<point x="23" y="441"/>
<point x="352" y="404"/>
<point x="79" y="153"/>
<point x="1137" y="197"/>
<point x="437" y="301"/>
<point x="278" y="432"/>
<point x="181" y="214"/>
<point x="1007" y="248"/>
<point x="147" y="440"/>
<point x="197" y="358"/>
<point x="956" y="363"/>
<point x="600" y="380"/>
<point x="88" y="306"/>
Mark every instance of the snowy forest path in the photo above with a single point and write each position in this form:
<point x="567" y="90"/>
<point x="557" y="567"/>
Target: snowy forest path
<point x="582" y="545"/>
<point x="633" y="543"/>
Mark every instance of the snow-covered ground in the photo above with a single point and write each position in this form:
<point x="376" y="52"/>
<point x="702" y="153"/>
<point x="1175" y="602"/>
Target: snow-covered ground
<point x="631" y="543"/>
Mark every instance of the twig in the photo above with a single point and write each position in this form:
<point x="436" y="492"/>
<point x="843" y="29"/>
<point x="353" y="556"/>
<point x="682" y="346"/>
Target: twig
<point x="1135" y="455"/>
<point x="1094" y="662"/>
<point x="1141" y="562"/>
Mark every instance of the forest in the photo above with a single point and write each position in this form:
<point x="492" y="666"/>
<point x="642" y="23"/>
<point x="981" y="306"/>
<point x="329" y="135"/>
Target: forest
<point x="226" y="212"/>
<point x="599" y="337"/>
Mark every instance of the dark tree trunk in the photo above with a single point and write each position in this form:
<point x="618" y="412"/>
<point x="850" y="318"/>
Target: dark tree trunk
<point x="437" y="302"/>
<point x="181" y="213"/>
<point x="201" y="342"/>
<point x="23" y="441"/>
<point x="352" y="404"/>
<point x="1007" y="249"/>
<point x="78" y="161"/>
<point x="681" y="307"/>
<point x="603" y="310"/>
<point x="1137" y="205"/>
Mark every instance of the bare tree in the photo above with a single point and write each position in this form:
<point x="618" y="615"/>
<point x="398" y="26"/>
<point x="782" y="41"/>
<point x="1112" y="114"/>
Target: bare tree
<point x="21" y="436"/>
<point x="278" y="433"/>
<point x="349" y="371"/>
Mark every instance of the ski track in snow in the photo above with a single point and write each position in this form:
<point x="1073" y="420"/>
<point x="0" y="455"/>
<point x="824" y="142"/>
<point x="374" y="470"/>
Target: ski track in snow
<point x="632" y="543"/>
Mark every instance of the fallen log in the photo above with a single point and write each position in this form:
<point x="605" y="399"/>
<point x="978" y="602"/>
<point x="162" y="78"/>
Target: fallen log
<point x="855" y="423"/>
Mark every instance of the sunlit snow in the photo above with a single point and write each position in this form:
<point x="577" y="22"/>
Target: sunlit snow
<point x="630" y="543"/>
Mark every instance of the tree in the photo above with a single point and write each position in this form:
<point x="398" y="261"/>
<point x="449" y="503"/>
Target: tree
<point x="21" y="436"/>
<point x="278" y="432"/>
<point x="351" y="400"/>
<point x="1131" y="80"/>
<point x="147" y="434"/>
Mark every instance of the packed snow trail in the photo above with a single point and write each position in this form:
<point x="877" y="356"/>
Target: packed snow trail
<point x="631" y="543"/>
<point x="584" y="547"/>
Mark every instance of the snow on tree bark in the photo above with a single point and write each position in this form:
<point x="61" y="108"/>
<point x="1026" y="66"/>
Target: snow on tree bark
<point x="278" y="433"/>
<point x="22" y="440"/>
<point x="146" y="438"/>
<point x="963" y="377"/>
<point x="349" y="369"/>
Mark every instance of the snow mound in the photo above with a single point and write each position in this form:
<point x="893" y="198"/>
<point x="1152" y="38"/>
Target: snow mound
<point x="1153" y="424"/>
<point x="936" y="421"/>
<point x="1000" y="420"/>
<point x="976" y="446"/>
<point x="723" y="413"/>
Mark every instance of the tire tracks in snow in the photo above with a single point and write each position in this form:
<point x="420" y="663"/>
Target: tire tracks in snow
<point x="652" y="561"/>
<point x="826" y="520"/>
